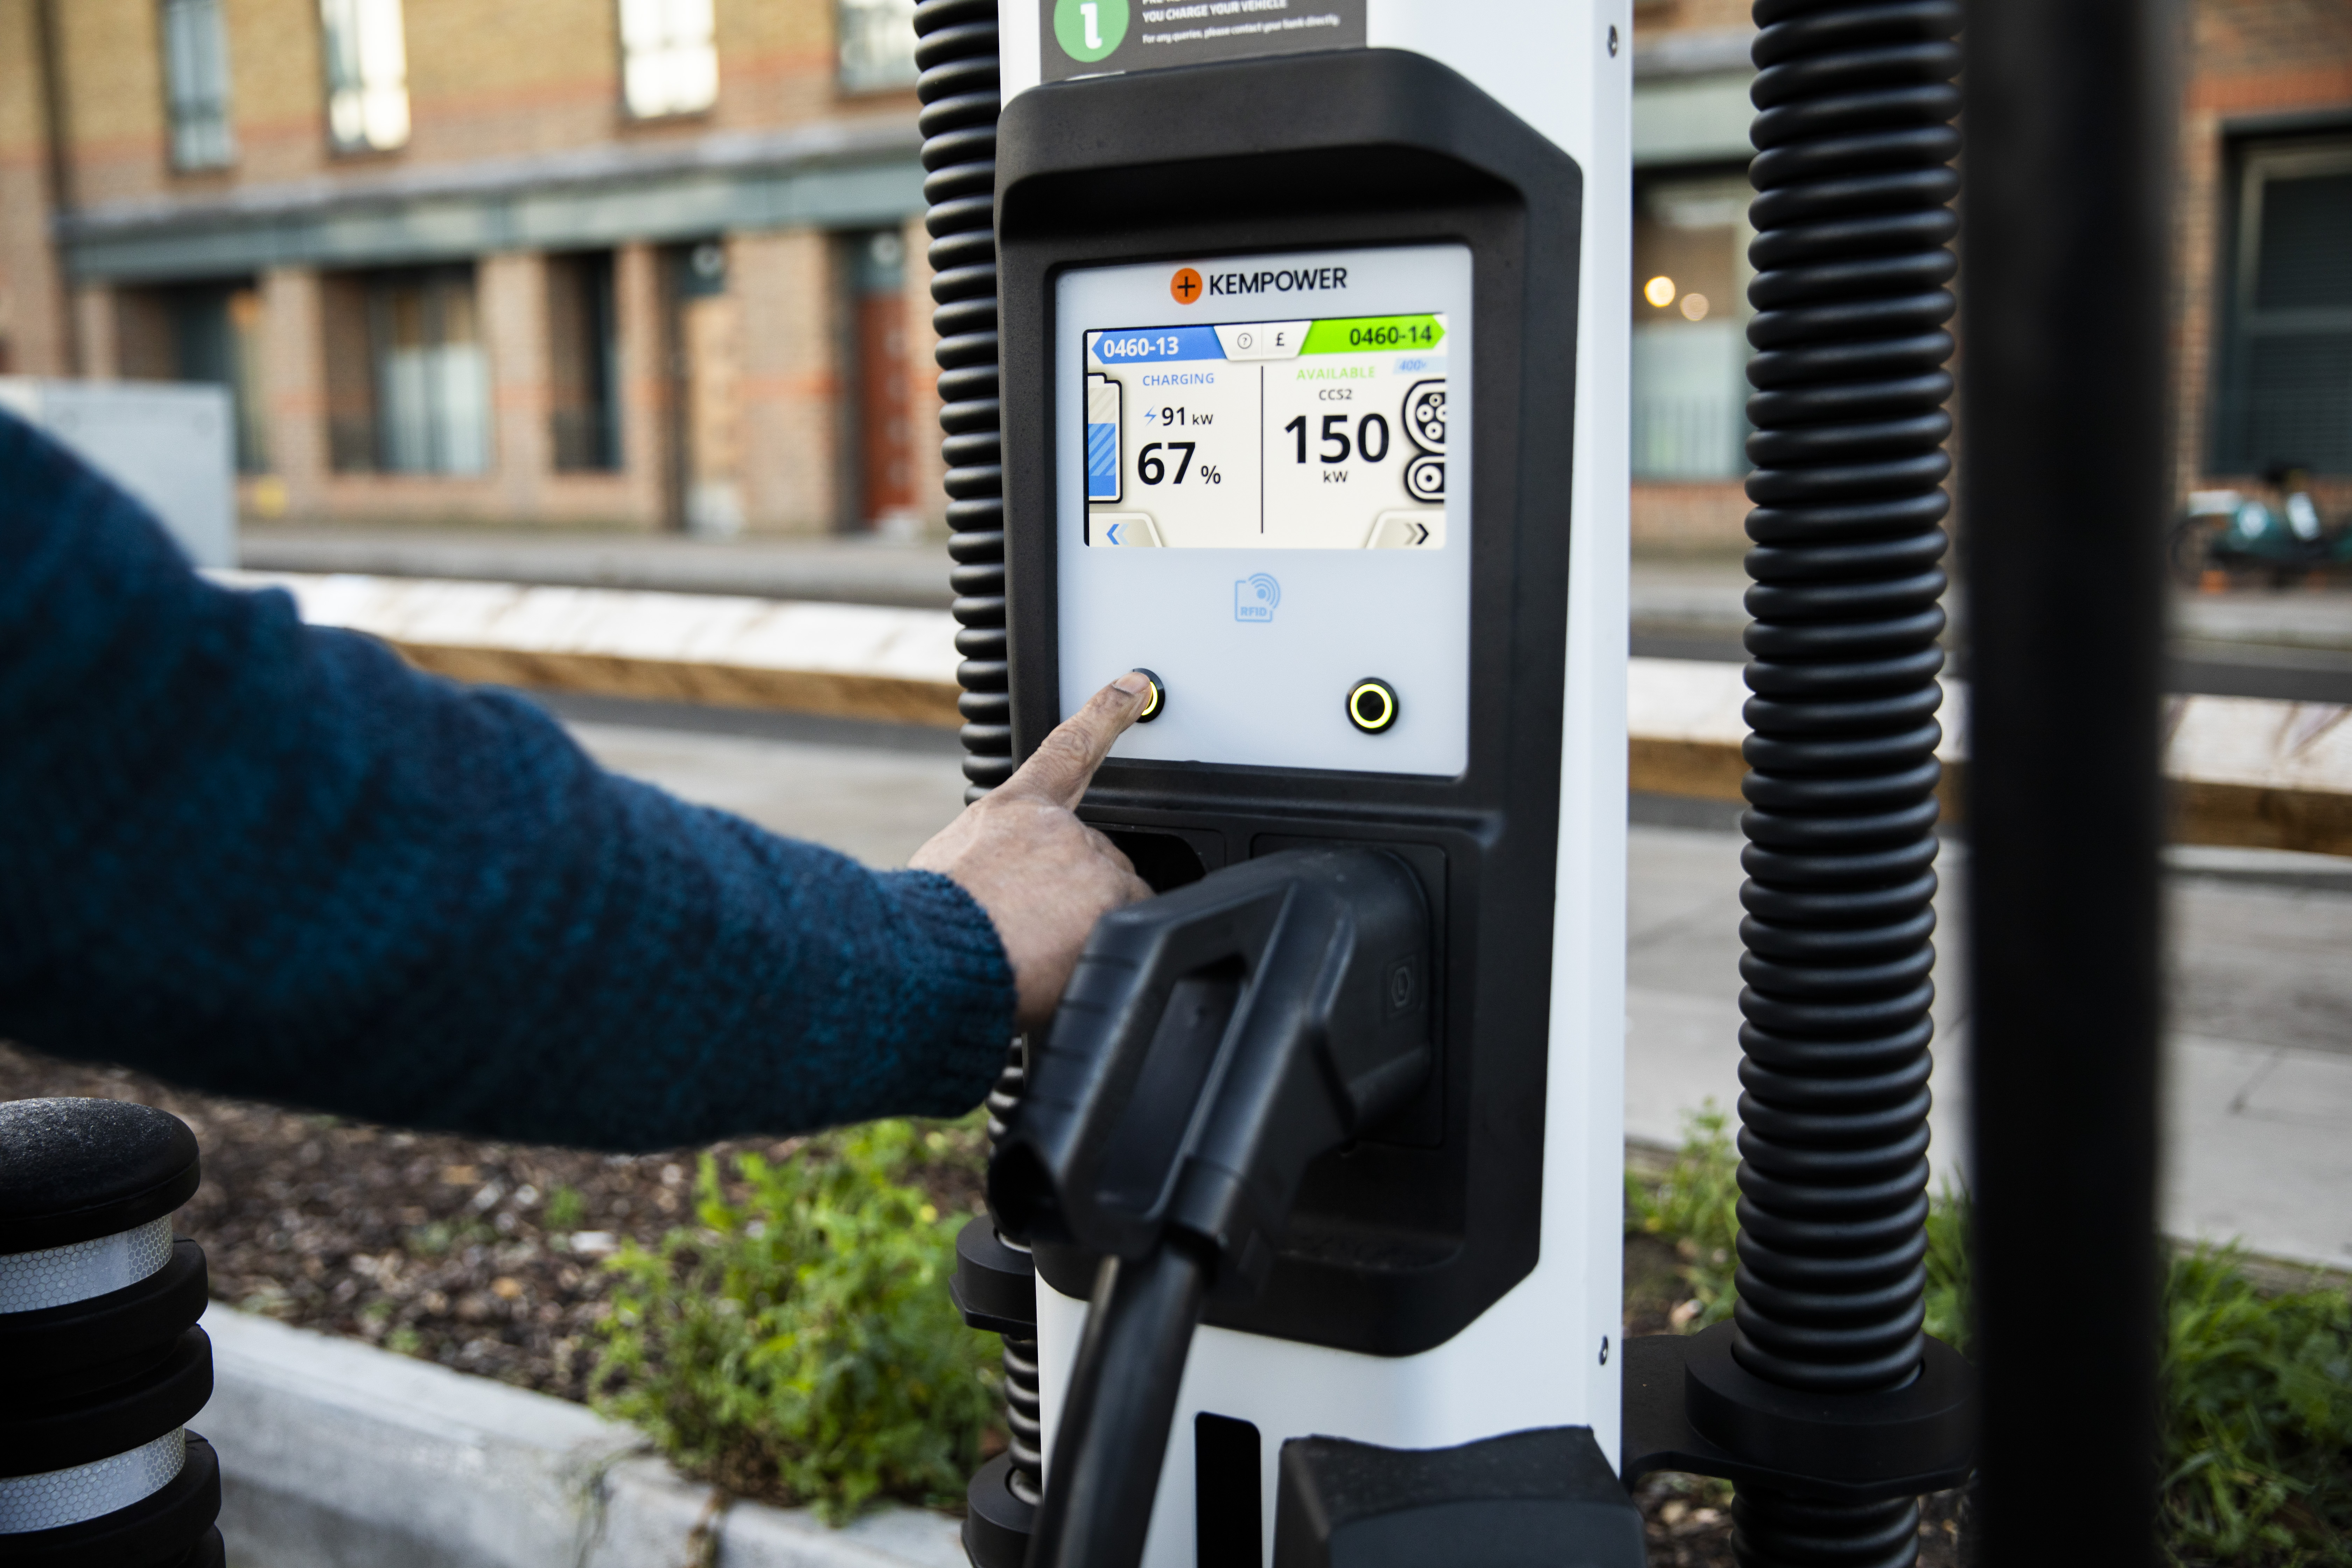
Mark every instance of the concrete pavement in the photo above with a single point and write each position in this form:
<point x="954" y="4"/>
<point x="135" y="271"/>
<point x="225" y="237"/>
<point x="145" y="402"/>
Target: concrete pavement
<point x="879" y="805"/>
<point x="2259" y="1065"/>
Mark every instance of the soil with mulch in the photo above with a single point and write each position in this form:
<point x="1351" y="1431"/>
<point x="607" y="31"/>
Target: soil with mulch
<point x="487" y="1257"/>
<point x="481" y="1256"/>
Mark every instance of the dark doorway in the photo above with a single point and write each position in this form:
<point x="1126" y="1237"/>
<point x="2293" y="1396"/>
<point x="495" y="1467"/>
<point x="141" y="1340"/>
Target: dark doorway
<point x="883" y="421"/>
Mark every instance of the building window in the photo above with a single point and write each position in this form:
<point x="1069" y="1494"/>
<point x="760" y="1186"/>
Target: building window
<point x="216" y="338"/>
<point x="196" y="84"/>
<point x="432" y="378"/>
<point x="2286" y="368"/>
<point x="367" y="75"/>
<point x="707" y="332"/>
<point x="408" y="385"/>
<point x="205" y="332"/>
<point x="668" y="63"/>
<point x="583" y="364"/>
<point x="1690" y="320"/>
<point x="878" y="44"/>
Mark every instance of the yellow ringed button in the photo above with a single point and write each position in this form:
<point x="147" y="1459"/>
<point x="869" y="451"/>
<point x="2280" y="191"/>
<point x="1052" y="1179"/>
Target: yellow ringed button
<point x="1372" y="706"/>
<point x="1155" y="701"/>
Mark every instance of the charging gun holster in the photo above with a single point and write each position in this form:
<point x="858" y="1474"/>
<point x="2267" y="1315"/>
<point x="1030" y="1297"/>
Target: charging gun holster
<point x="1213" y="1042"/>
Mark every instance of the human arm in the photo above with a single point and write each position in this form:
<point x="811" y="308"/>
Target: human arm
<point x="1043" y="876"/>
<point x="266" y="858"/>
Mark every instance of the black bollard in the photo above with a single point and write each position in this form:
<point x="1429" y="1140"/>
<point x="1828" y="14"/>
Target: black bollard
<point x="101" y="1365"/>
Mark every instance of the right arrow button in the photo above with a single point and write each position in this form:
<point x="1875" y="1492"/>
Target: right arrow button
<point x="1407" y="531"/>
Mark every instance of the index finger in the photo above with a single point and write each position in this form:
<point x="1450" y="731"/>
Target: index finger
<point x="1065" y="761"/>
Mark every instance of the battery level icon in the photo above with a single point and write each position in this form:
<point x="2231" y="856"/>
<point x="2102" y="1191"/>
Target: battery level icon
<point x="1102" y="438"/>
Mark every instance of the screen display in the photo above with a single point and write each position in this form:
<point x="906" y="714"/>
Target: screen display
<point x="1316" y="433"/>
<point x="1264" y="494"/>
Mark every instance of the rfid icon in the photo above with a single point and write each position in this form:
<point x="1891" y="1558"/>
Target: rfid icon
<point x="1255" y="597"/>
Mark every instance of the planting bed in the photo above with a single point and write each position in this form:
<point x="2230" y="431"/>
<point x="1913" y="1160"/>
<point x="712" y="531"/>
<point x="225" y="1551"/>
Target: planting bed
<point x="481" y="1256"/>
<point x="486" y="1256"/>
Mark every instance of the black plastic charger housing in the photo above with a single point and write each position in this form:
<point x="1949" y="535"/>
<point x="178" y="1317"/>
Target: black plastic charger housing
<point x="1399" y="1240"/>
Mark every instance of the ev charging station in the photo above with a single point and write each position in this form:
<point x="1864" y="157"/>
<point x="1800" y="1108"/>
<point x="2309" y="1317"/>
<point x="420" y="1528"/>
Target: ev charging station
<point x="1283" y="358"/>
<point x="1313" y="357"/>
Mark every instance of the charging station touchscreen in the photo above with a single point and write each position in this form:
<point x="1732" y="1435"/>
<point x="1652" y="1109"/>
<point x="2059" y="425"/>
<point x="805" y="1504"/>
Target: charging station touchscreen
<point x="1263" y="467"/>
<point x="1301" y="435"/>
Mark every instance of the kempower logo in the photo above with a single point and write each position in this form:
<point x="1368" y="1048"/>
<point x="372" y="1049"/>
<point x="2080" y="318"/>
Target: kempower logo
<point x="1279" y="280"/>
<point x="1185" y="287"/>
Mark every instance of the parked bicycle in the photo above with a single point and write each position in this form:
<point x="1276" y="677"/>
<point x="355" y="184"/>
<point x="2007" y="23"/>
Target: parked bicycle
<point x="2239" y="535"/>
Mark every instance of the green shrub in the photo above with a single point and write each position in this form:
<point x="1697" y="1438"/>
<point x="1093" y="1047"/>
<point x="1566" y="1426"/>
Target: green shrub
<point x="799" y="1345"/>
<point x="1950" y="1310"/>
<point x="2257" y="1418"/>
<point x="2257" y="1389"/>
<point x="566" y="1209"/>
<point x="1695" y="1206"/>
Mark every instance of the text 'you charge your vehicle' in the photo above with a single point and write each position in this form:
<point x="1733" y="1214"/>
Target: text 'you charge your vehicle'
<point x="1301" y="435"/>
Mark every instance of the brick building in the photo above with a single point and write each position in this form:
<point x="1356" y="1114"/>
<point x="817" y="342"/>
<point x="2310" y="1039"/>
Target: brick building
<point x="2264" y="316"/>
<point x="643" y="263"/>
<point x="657" y="263"/>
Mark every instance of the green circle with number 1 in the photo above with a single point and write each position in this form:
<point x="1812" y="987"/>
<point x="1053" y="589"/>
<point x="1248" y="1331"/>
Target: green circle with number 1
<point x="1089" y="29"/>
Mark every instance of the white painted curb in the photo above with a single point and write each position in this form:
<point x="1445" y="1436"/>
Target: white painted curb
<point x="338" y="1455"/>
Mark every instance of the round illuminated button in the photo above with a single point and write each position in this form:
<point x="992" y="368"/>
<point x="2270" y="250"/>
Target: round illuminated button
<point x="1155" y="701"/>
<point x="1372" y="706"/>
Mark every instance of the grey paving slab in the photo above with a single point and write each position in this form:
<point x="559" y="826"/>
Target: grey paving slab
<point x="1682" y="989"/>
<point x="1682" y="914"/>
<point x="2258" y="1148"/>
<point x="759" y="724"/>
<point x="2268" y="965"/>
<point x="2259" y="1072"/>
<point x="877" y="805"/>
<point x="1681" y="911"/>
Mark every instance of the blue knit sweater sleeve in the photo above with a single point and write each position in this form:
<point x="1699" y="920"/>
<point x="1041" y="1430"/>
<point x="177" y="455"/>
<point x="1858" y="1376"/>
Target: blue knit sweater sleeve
<point x="270" y="859"/>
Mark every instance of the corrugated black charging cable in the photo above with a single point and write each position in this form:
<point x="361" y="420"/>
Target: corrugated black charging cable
<point x="1853" y="181"/>
<point x="956" y="52"/>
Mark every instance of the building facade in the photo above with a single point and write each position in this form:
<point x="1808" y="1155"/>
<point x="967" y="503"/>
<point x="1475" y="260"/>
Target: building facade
<point x="634" y="263"/>
<point x="2263" y="262"/>
<point x="659" y="263"/>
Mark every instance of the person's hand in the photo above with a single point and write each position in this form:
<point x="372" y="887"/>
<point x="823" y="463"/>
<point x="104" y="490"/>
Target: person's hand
<point x="1043" y="876"/>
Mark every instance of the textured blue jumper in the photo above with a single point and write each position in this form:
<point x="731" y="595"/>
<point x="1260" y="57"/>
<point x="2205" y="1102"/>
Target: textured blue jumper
<point x="269" y="860"/>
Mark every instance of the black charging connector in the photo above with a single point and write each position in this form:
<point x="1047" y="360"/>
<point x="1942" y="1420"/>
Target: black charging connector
<point x="1213" y="1042"/>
